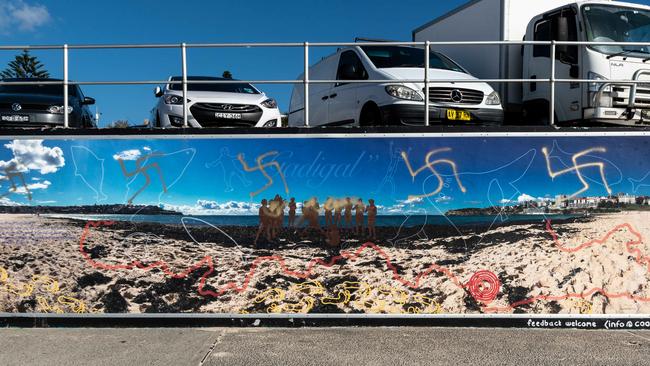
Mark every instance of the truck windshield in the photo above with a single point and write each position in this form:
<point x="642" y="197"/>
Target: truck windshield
<point x="609" y="23"/>
<point x="242" y="88"/>
<point x="384" y="57"/>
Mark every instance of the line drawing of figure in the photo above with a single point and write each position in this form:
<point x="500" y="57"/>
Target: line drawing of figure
<point x="139" y="169"/>
<point x="230" y="168"/>
<point x="98" y="187"/>
<point x="428" y="164"/>
<point x="10" y="175"/>
<point x="578" y="167"/>
<point x="261" y="167"/>
<point x="389" y="177"/>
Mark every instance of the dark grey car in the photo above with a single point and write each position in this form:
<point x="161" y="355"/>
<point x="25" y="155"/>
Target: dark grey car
<point x="41" y="105"/>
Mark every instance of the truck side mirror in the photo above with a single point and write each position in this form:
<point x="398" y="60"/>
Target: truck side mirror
<point x="562" y="36"/>
<point x="158" y="92"/>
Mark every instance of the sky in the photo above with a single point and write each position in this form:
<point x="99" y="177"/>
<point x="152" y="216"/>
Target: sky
<point x="39" y="22"/>
<point x="203" y="176"/>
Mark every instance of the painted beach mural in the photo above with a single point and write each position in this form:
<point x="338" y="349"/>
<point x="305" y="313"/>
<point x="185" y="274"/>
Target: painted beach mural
<point x="437" y="225"/>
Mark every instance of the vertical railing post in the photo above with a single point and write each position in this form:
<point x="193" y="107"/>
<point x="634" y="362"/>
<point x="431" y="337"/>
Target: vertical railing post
<point x="66" y="103"/>
<point x="306" y="84"/>
<point x="551" y="117"/>
<point x="184" y="57"/>
<point x="427" y="55"/>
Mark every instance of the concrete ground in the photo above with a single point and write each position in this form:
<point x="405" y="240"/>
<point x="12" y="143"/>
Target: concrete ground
<point x="321" y="346"/>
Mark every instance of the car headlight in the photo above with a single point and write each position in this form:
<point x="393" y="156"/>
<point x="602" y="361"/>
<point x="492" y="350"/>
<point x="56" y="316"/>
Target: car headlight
<point x="270" y="103"/>
<point x="58" y="109"/>
<point x="594" y="87"/>
<point x="493" y="99"/>
<point x="402" y="92"/>
<point x="173" y="99"/>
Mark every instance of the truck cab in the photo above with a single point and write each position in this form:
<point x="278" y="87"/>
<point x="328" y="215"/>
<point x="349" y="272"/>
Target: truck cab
<point x="600" y="101"/>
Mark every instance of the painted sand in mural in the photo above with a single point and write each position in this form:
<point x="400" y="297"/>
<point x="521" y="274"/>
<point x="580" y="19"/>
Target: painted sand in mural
<point x="453" y="225"/>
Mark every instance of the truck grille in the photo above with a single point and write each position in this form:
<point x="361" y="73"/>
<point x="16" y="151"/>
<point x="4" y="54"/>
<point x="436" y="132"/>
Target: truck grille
<point x="621" y="96"/>
<point x="455" y="96"/>
<point x="26" y="107"/>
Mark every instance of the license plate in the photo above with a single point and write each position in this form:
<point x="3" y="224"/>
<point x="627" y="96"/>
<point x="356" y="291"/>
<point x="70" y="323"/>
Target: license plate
<point x="457" y="115"/>
<point x="228" y="115"/>
<point x="14" y="118"/>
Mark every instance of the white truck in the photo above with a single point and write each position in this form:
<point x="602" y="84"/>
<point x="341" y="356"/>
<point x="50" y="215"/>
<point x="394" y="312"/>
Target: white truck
<point x="560" y="20"/>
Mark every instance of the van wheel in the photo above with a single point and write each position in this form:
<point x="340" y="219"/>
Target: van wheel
<point x="370" y="116"/>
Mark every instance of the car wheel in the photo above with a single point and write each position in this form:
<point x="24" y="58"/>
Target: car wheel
<point x="370" y="116"/>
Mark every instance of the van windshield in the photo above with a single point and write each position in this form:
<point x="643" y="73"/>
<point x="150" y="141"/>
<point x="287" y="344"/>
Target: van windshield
<point x="242" y="88"/>
<point x="608" y="23"/>
<point x="384" y="57"/>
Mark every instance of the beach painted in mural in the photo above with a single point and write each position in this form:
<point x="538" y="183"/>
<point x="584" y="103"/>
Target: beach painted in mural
<point x="376" y="225"/>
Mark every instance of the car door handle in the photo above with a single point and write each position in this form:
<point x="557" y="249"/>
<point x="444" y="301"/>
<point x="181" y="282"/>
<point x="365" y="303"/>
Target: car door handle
<point x="325" y="98"/>
<point x="333" y="96"/>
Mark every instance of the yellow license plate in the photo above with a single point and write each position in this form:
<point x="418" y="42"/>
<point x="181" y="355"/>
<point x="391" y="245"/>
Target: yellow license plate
<point x="456" y="115"/>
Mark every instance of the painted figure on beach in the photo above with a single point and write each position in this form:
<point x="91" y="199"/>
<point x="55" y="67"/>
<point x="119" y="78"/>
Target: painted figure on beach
<point x="359" y="210"/>
<point x="292" y="212"/>
<point x="372" y="219"/>
<point x="264" y="214"/>
<point x="348" y="213"/>
<point x="329" y="207"/>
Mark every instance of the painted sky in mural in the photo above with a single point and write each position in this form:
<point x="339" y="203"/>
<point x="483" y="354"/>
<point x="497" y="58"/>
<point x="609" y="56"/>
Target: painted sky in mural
<point x="220" y="177"/>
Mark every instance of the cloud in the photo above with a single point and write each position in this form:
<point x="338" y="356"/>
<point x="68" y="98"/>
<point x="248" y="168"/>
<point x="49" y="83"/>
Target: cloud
<point x="206" y="207"/>
<point x="505" y="201"/>
<point x="32" y="155"/>
<point x="4" y="201"/>
<point x="443" y="199"/>
<point x="525" y="198"/>
<point x="33" y="187"/>
<point x="21" y="15"/>
<point x="128" y="155"/>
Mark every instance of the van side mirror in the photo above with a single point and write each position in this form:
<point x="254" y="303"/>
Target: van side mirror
<point x="349" y="72"/>
<point x="88" y="101"/>
<point x="158" y="92"/>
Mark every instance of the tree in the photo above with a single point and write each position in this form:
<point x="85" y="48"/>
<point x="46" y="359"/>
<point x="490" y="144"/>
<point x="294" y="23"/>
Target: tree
<point x="227" y="74"/>
<point x="25" y="66"/>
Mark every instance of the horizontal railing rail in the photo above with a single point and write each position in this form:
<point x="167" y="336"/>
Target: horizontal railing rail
<point x="306" y="80"/>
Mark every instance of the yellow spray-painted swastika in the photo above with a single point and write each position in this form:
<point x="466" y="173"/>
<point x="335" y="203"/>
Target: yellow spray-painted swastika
<point x="577" y="168"/>
<point x="430" y="165"/>
<point x="261" y="167"/>
<point x="142" y="170"/>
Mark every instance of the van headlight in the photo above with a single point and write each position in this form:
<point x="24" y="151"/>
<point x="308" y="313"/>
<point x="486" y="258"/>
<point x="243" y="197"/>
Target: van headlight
<point x="493" y="99"/>
<point x="402" y="92"/>
<point x="595" y="87"/>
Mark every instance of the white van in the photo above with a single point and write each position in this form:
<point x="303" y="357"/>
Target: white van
<point x="393" y="102"/>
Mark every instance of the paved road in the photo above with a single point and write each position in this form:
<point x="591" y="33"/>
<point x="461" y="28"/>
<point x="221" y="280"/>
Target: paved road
<point x="321" y="346"/>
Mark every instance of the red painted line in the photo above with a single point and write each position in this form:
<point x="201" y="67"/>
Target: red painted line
<point x="413" y="284"/>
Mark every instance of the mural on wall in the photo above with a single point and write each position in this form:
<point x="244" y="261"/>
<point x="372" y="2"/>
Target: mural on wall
<point x="457" y="225"/>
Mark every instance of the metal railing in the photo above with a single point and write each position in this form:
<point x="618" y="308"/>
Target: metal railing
<point x="306" y="81"/>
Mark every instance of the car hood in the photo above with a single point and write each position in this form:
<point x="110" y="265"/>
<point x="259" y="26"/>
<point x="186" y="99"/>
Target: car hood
<point x="414" y="73"/>
<point x="32" y="99"/>
<point x="221" y="97"/>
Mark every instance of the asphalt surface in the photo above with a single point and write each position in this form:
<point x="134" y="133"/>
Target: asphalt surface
<point x="321" y="346"/>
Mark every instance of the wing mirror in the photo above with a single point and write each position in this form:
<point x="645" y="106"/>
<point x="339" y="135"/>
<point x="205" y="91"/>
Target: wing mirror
<point x="158" y="92"/>
<point x="349" y="72"/>
<point x="88" y="101"/>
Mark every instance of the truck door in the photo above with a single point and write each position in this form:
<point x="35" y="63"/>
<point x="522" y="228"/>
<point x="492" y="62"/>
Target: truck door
<point x="559" y="25"/>
<point x="344" y="105"/>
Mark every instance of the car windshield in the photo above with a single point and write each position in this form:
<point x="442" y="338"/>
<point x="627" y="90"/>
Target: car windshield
<point x="608" y="23"/>
<point x="384" y="57"/>
<point x="46" y="89"/>
<point x="242" y="88"/>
